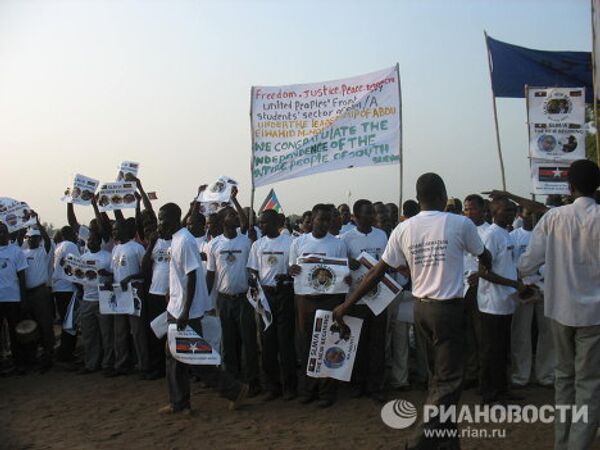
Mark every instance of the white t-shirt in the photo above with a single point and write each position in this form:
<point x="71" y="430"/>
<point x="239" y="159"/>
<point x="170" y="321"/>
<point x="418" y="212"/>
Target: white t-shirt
<point x="256" y="228"/>
<point x="102" y="259"/>
<point x="432" y="244"/>
<point x="348" y="227"/>
<point x="126" y="260"/>
<point x="59" y="284"/>
<point x="36" y="273"/>
<point x="471" y="261"/>
<point x="521" y="238"/>
<point x="493" y="298"/>
<point x="185" y="258"/>
<point x="12" y="261"/>
<point x="270" y="257"/>
<point x="372" y="243"/>
<point x="160" y="267"/>
<point x="307" y="244"/>
<point x="228" y="258"/>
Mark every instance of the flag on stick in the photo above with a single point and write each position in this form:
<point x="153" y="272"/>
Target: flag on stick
<point x="271" y="202"/>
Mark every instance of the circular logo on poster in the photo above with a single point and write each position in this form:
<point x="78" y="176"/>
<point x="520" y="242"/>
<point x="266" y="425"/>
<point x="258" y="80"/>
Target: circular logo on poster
<point x="321" y="278"/>
<point x="546" y="143"/>
<point x="557" y="106"/>
<point x="334" y="357"/>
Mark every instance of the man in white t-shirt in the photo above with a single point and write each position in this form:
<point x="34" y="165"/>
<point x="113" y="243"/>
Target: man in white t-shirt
<point x="319" y="242"/>
<point x="12" y="290"/>
<point x="521" y="326"/>
<point x="369" y="366"/>
<point x="63" y="291"/>
<point x="227" y="273"/>
<point x="566" y="240"/>
<point x="97" y="331"/>
<point x="495" y="306"/>
<point x="346" y="218"/>
<point x="431" y="244"/>
<point x="188" y="301"/>
<point x="473" y="209"/>
<point x="38" y="301"/>
<point x="268" y="262"/>
<point x="126" y="267"/>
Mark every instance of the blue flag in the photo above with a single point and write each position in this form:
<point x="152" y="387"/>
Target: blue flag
<point x="514" y="67"/>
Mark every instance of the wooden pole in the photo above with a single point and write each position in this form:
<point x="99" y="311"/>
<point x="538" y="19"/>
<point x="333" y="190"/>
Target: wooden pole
<point x="400" y="195"/>
<point x="495" y="116"/>
<point x="594" y="83"/>
<point x="251" y="212"/>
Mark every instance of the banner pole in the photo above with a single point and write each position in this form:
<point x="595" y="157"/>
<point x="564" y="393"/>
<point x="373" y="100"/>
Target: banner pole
<point x="400" y="143"/>
<point x="495" y="114"/>
<point x="251" y="212"/>
<point x="594" y="85"/>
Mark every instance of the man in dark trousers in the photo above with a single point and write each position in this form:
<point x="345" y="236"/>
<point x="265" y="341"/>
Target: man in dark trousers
<point x="431" y="244"/>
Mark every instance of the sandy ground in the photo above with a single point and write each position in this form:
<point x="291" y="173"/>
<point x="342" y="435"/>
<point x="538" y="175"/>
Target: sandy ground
<point x="64" y="410"/>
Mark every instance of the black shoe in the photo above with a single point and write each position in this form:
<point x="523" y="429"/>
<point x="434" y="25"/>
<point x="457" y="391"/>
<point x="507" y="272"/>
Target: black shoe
<point x="513" y="396"/>
<point x="517" y="387"/>
<point x="469" y="384"/>
<point x="377" y="397"/>
<point x="254" y="390"/>
<point x="86" y="371"/>
<point x="289" y="395"/>
<point x="325" y="403"/>
<point x="356" y="392"/>
<point x="306" y="399"/>
<point x="155" y="375"/>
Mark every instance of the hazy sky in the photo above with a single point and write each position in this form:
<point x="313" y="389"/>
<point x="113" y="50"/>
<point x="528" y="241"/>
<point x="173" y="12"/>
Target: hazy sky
<point x="85" y="84"/>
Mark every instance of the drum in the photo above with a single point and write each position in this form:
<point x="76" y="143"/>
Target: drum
<point x="27" y="331"/>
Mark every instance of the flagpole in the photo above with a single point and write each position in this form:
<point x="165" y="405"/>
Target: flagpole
<point x="495" y="114"/>
<point x="400" y="142"/>
<point x="251" y="212"/>
<point x="594" y="85"/>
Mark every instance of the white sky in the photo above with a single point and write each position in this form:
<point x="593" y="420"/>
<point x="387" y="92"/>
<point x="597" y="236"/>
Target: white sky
<point x="85" y="84"/>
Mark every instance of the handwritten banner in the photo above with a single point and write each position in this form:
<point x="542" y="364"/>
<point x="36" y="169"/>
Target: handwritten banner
<point x="303" y="129"/>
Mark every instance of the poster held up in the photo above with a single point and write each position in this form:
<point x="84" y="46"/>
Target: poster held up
<point x="128" y="170"/>
<point x="321" y="275"/>
<point x="81" y="191"/>
<point x="119" y="195"/>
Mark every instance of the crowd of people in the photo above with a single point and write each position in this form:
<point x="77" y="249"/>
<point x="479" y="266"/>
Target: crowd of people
<point x="505" y="292"/>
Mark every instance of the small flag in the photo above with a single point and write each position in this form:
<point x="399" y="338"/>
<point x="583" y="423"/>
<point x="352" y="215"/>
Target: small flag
<point x="192" y="345"/>
<point x="271" y="202"/>
<point x="553" y="174"/>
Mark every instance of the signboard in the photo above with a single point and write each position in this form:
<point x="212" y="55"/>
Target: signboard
<point x="321" y="275"/>
<point x="119" y="195"/>
<point x="81" y="191"/>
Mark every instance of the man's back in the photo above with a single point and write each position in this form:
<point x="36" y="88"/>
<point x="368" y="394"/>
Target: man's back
<point x="568" y="240"/>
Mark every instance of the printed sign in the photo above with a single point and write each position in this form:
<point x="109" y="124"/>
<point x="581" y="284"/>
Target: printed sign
<point x="333" y="346"/>
<point x="259" y="302"/>
<point x="118" y="301"/>
<point x="79" y="270"/>
<point x="556" y="105"/>
<point x="127" y="171"/>
<point x="383" y="293"/>
<point x="113" y="196"/>
<point x="17" y="216"/>
<point x="321" y="275"/>
<point x="159" y="325"/>
<point x="218" y="192"/>
<point x="303" y="129"/>
<point x="550" y="177"/>
<point x="81" y="191"/>
<point x="189" y="347"/>
<point x="561" y="141"/>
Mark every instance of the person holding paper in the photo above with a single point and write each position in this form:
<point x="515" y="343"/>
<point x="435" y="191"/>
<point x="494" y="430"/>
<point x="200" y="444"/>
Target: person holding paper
<point x="369" y="368"/>
<point x="318" y="242"/>
<point x="268" y="261"/>
<point x="188" y="301"/>
<point x="38" y="301"/>
<point x="126" y="266"/>
<point x="431" y="244"/>
<point x="63" y="290"/>
<point x="566" y="241"/>
<point x="227" y="273"/>
<point x="97" y="332"/>
<point x="12" y="291"/>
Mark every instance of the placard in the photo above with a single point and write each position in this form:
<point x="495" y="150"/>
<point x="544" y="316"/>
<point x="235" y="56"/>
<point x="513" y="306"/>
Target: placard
<point x="218" y="192"/>
<point x="556" y="105"/>
<point x="303" y="129"/>
<point x="113" y="196"/>
<point x="189" y="347"/>
<point x="160" y="325"/>
<point x="383" y="293"/>
<point x="127" y="171"/>
<point x="550" y="177"/>
<point x="17" y="216"/>
<point x="321" y="275"/>
<point x="333" y="346"/>
<point x="79" y="270"/>
<point x="557" y="141"/>
<point x="81" y="191"/>
<point x="258" y="300"/>
<point x="116" y="300"/>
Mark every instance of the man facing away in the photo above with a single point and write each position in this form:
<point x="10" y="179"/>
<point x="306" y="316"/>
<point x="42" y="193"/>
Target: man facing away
<point x="431" y="244"/>
<point x="567" y="240"/>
